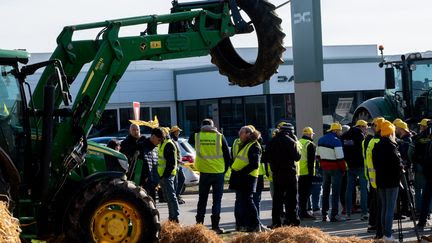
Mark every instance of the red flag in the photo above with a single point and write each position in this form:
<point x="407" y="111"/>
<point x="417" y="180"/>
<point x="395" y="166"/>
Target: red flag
<point x="136" y="110"/>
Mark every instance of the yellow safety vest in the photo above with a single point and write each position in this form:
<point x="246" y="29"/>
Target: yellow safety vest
<point x="270" y="176"/>
<point x="303" y="163"/>
<point x="236" y="147"/>
<point x="209" y="155"/>
<point x="161" y="158"/>
<point x="369" y="167"/>
<point x="261" y="169"/>
<point x="241" y="160"/>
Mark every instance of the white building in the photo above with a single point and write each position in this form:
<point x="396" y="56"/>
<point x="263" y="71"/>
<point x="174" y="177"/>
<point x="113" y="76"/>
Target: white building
<point x="184" y="91"/>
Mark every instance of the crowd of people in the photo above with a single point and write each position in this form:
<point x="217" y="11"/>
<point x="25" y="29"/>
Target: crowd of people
<point x="371" y="158"/>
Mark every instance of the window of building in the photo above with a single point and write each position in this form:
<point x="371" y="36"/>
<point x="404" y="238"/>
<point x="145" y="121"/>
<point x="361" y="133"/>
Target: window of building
<point x="231" y="117"/>
<point x="145" y="114"/>
<point x="282" y="109"/>
<point x="107" y="124"/>
<point x="209" y="109"/>
<point x="188" y="117"/>
<point x="163" y="115"/>
<point x="256" y="112"/>
<point x="126" y="114"/>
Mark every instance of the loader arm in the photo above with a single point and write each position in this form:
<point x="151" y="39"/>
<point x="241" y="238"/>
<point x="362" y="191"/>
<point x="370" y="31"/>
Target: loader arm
<point x="110" y="57"/>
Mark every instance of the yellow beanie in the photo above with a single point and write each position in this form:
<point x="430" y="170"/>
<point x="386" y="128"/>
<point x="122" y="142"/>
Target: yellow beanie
<point x="387" y="128"/>
<point x="377" y="122"/>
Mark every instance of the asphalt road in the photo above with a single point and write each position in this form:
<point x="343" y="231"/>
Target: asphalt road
<point x="354" y="227"/>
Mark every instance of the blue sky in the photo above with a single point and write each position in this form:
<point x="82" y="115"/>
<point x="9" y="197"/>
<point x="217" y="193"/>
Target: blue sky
<point x="401" y="26"/>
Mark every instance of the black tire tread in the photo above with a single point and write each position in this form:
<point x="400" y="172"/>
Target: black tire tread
<point x="270" y="47"/>
<point x="102" y="191"/>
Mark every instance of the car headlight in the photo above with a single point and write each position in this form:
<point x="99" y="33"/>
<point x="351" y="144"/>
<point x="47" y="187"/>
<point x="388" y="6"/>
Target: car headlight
<point x="124" y="164"/>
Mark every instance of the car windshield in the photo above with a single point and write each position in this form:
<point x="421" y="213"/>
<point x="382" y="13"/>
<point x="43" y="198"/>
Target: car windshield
<point x="186" y="146"/>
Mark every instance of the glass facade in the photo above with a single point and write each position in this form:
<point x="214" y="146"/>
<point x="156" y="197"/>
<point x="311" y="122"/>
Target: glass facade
<point x="231" y="117"/>
<point x="265" y="111"/>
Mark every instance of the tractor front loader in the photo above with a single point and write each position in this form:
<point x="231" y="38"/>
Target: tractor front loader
<point x="52" y="188"/>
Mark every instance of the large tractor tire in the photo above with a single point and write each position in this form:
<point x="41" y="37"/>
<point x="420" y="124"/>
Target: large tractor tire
<point x="113" y="210"/>
<point x="270" y="47"/>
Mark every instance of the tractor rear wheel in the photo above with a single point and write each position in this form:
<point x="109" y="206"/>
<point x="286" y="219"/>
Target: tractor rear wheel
<point x="113" y="211"/>
<point x="270" y="47"/>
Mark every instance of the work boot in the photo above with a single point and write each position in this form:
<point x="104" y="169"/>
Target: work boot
<point x="215" y="224"/>
<point x="199" y="219"/>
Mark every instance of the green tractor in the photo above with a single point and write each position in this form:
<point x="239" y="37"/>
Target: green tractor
<point x="54" y="179"/>
<point x="408" y="90"/>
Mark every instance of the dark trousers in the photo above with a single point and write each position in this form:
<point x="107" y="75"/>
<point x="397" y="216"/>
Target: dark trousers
<point x="375" y="211"/>
<point x="216" y="182"/>
<point x="151" y="183"/>
<point x="304" y="191"/>
<point x="285" y="194"/>
<point x="245" y="212"/>
<point x="179" y="181"/>
<point x="426" y="201"/>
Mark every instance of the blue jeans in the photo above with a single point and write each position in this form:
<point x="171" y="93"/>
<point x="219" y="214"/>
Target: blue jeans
<point x="315" y="195"/>
<point x="388" y="198"/>
<point x="331" y="178"/>
<point x="352" y="174"/>
<point x="245" y="211"/>
<point x="216" y="182"/>
<point x="167" y="184"/>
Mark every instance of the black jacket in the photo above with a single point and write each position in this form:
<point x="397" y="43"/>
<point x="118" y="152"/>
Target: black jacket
<point x="170" y="157"/>
<point x="282" y="153"/>
<point x="149" y="156"/>
<point x="129" y="147"/>
<point x="311" y="151"/>
<point x="404" y="144"/>
<point x="352" y="147"/>
<point x="387" y="163"/>
<point x="241" y="180"/>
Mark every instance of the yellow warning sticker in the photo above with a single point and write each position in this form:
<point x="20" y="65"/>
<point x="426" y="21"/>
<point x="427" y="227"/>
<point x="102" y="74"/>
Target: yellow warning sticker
<point x="155" y="44"/>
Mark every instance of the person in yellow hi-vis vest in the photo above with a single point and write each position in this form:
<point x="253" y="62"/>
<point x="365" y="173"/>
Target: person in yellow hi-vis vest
<point x="305" y="171"/>
<point x="375" y="225"/>
<point x="167" y="170"/>
<point x="212" y="161"/>
<point x="244" y="177"/>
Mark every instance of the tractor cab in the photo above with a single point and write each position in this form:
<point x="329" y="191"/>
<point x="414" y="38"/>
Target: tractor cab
<point x="409" y="85"/>
<point x="11" y="104"/>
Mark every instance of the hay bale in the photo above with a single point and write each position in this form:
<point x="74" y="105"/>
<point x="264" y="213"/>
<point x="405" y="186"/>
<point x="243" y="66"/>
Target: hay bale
<point x="9" y="226"/>
<point x="173" y="232"/>
<point x="295" y="234"/>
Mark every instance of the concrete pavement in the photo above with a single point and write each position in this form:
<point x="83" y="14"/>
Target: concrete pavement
<point x="354" y="227"/>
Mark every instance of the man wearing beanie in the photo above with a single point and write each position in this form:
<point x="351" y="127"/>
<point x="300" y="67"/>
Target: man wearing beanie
<point x="387" y="164"/>
<point x="283" y="151"/>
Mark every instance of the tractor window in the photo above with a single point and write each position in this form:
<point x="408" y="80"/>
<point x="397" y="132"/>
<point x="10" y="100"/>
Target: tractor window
<point x="10" y="111"/>
<point x="421" y="88"/>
